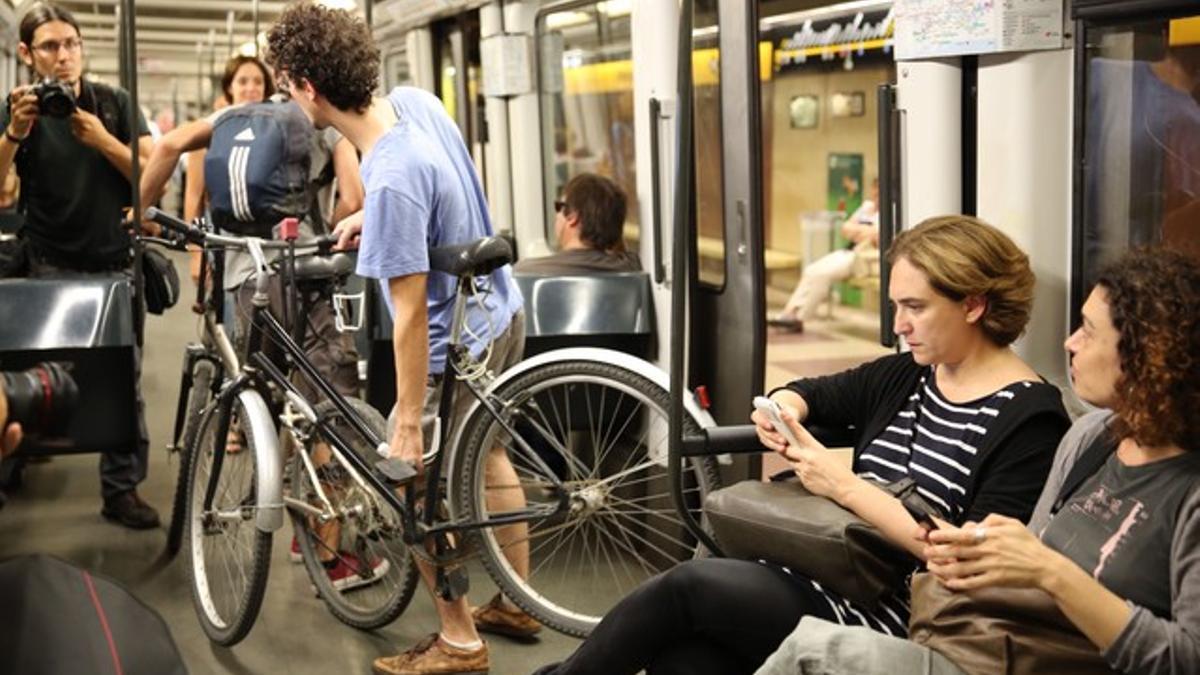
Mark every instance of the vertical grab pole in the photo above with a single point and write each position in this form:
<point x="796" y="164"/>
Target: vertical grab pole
<point x="680" y="287"/>
<point x="889" y="203"/>
<point x="129" y="80"/>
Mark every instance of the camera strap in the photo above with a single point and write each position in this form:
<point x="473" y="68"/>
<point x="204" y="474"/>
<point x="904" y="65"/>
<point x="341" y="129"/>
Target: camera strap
<point x="104" y="106"/>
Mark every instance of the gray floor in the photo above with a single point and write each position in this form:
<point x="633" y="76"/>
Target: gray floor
<point x="57" y="512"/>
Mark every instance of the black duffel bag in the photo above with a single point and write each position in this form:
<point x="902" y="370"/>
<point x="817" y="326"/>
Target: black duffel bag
<point x="782" y="522"/>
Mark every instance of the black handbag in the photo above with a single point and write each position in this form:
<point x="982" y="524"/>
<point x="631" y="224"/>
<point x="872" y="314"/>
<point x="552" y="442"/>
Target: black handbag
<point x="160" y="281"/>
<point x="783" y="523"/>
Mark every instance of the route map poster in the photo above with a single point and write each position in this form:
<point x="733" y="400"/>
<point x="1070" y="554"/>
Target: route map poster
<point x="934" y="28"/>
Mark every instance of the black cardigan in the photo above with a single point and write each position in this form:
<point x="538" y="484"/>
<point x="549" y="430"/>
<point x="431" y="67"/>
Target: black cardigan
<point x="1014" y="457"/>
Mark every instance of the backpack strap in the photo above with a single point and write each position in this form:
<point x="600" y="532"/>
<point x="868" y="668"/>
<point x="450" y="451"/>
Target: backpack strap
<point x="1085" y="467"/>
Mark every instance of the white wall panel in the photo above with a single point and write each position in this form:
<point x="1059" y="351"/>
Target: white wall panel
<point x="930" y="94"/>
<point x="1024" y="183"/>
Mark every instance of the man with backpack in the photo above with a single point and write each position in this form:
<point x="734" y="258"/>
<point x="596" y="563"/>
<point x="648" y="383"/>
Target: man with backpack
<point x="422" y="191"/>
<point x="69" y="138"/>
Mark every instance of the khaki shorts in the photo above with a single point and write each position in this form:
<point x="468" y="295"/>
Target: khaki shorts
<point x="506" y="351"/>
<point x="330" y="351"/>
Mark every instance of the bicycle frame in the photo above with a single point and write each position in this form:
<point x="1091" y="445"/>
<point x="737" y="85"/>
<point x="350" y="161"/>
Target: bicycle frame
<point x="258" y="373"/>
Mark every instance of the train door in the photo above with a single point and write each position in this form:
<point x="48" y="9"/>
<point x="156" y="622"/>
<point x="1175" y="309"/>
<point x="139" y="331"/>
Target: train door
<point x="727" y="321"/>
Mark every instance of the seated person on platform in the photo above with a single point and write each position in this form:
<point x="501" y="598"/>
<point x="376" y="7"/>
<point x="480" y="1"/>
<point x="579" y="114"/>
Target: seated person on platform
<point x="1118" y="558"/>
<point x="589" y="223"/>
<point x="816" y="280"/>
<point x="961" y="414"/>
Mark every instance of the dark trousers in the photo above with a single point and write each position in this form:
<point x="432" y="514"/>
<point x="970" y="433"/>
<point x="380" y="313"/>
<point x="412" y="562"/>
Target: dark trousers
<point x="712" y="615"/>
<point x="121" y="469"/>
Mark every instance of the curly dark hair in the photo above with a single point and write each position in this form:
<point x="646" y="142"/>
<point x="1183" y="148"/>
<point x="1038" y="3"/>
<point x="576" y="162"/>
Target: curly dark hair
<point x="1152" y="300"/>
<point x="330" y="48"/>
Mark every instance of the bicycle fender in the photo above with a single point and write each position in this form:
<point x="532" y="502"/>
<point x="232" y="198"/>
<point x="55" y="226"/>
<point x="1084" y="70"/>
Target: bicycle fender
<point x="610" y="357"/>
<point x="268" y="515"/>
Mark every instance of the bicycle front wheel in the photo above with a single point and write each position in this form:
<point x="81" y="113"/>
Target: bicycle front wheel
<point x="229" y="556"/>
<point x="601" y="431"/>
<point x="198" y="399"/>
<point x="349" y="537"/>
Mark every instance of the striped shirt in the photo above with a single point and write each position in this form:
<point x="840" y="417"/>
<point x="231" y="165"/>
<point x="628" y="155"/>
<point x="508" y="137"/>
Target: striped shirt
<point x="936" y="442"/>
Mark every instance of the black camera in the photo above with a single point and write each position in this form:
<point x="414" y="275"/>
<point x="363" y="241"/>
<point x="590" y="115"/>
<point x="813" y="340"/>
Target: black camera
<point x="41" y="398"/>
<point x="56" y="98"/>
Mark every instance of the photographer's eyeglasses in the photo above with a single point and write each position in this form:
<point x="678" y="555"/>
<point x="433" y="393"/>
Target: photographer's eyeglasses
<point x="50" y="47"/>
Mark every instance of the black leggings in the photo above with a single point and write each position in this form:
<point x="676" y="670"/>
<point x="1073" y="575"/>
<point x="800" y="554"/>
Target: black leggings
<point x="713" y="615"/>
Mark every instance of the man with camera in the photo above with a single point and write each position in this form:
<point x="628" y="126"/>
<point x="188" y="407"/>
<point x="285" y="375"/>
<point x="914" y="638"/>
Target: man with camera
<point x="69" y="138"/>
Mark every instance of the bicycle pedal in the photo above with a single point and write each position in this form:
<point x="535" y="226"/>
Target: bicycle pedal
<point x="396" y="472"/>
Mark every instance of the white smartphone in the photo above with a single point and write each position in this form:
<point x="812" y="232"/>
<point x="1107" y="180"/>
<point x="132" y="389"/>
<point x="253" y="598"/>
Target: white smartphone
<point x="774" y="413"/>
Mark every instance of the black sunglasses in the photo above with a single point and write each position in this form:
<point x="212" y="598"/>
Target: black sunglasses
<point x="559" y="206"/>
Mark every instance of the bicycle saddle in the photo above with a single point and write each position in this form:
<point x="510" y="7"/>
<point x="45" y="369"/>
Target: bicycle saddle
<point x="316" y="267"/>
<point x="475" y="258"/>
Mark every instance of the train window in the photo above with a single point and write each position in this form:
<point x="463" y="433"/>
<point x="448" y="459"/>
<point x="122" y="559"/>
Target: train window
<point x="1141" y="141"/>
<point x="706" y="99"/>
<point x="586" y="81"/>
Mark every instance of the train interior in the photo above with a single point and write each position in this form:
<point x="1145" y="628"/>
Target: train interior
<point x="805" y="118"/>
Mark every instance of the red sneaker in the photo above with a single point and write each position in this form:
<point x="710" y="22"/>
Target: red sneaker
<point x="349" y="572"/>
<point x="294" y="554"/>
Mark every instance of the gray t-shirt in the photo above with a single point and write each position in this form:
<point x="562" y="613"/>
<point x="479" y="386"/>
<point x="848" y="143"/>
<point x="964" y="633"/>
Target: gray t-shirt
<point x="1149" y="644"/>
<point x="1119" y="524"/>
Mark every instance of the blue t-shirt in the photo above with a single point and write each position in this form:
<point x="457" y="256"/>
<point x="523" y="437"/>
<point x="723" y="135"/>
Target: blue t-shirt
<point x="422" y="192"/>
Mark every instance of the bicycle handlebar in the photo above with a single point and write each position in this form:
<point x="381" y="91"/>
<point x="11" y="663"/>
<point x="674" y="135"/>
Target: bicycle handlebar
<point x="192" y="234"/>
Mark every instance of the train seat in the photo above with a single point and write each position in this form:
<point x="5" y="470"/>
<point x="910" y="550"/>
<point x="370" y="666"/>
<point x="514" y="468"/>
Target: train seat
<point x="612" y="309"/>
<point x="88" y="324"/>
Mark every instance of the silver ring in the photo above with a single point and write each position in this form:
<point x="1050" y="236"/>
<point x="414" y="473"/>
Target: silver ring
<point x="980" y="534"/>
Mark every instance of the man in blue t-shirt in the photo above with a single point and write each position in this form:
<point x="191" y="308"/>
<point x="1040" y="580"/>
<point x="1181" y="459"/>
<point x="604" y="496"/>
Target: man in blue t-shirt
<point x="422" y="191"/>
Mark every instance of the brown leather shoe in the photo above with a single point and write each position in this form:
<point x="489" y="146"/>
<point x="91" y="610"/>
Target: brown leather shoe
<point x="497" y="619"/>
<point x="432" y="656"/>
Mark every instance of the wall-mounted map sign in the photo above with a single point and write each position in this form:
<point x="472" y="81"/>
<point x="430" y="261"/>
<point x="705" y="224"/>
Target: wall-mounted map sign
<point x="933" y="28"/>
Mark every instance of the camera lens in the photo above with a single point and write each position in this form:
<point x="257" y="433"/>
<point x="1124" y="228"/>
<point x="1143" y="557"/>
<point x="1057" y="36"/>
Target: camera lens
<point x="41" y="398"/>
<point x="55" y="98"/>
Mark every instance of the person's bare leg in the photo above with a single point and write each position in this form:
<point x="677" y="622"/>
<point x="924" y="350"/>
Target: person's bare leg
<point x="455" y="616"/>
<point x="329" y="532"/>
<point x="504" y="493"/>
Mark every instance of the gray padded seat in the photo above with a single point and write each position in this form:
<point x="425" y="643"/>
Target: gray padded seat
<point x="612" y="309"/>
<point x="86" y="322"/>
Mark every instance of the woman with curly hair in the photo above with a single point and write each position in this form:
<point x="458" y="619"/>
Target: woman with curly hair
<point x="1113" y="546"/>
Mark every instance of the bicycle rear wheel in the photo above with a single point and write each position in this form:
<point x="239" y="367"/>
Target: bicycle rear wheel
<point x="358" y="560"/>
<point x="602" y="431"/>
<point x="229" y="555"/>
<point x="198" y="398"/>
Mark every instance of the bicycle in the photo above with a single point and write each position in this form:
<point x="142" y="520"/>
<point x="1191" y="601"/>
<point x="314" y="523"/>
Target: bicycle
<point x="584" y="428"/>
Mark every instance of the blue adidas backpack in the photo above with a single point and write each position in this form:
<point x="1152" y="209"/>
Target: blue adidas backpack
<point x="256" y="170"/>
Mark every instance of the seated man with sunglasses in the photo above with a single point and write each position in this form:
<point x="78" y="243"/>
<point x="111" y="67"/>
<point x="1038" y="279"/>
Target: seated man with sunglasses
<point x="589" y="223"/>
